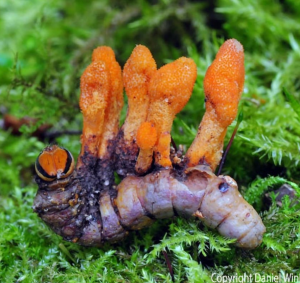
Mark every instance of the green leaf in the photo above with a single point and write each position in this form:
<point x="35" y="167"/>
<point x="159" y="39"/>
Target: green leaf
<point x="295" y="104"/>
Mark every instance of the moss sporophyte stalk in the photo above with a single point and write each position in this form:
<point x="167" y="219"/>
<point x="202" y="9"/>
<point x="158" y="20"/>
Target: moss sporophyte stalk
<point x="84" y="205"/>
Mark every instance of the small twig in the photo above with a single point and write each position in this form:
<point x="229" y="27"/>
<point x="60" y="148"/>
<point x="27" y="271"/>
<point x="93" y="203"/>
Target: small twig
<point x="240" y="119"/>
<point x="169" y="265"/>
<point x="174" y="144"/>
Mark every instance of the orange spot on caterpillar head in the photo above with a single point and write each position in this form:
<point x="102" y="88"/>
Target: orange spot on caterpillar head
<point x="54" y="162"/>
<point x="47" y="163"/>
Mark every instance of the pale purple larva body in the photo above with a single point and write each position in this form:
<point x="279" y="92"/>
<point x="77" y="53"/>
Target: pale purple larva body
<point x="92" y="218"/>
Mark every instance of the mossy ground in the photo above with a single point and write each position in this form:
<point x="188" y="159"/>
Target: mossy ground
<point x="44" y="47"/>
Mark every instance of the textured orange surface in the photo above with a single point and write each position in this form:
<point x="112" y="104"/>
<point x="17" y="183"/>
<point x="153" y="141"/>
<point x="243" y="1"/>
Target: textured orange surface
<point x="137" y="73"/>
<point x="101" y="100"/>
<point x="103" y="53"/>
<point x="106" y="54"/>
<point x="95" y="89"/>
<point x="146" y="136"/>
<point x="162" y="151"/>
<point x="115" y="98"/>
<point x="170" y="89"/>
<point x="173" y="83"/>
<point x="224" y="81"/>
<point x="223" y="86"/>
<point x="156" y="96"/>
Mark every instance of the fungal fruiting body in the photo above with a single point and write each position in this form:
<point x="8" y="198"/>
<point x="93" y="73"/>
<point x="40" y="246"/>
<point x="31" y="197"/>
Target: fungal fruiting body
<point x="88" y="208"/>
<point x="223" y="86"/>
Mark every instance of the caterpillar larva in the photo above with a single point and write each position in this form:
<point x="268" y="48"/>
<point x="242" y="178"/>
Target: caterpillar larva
<point x="83" y="205"/>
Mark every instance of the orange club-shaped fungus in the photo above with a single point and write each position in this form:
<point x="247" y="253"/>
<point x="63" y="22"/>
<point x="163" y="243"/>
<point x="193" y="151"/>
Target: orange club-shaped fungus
<point x="115" y="100"/>
<point x="223" y="86"/>
<point x="170" y="89"/>
<point x="137" y="73"/>
<point x="100" y="102"/>
<point x="138" y="70"/>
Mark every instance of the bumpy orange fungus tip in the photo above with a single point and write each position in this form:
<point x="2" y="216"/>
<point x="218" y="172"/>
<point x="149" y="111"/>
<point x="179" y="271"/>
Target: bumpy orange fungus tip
<point x="141" y="59"/>
<point x="174" y="82"/>
<point x="224" y="81"/>
<point x="103" y="53"/>
<point x="138" y="70"/>
<point x="106" y="54"/>
<point x="95" y="82"/>
<point x="146" y="135"/>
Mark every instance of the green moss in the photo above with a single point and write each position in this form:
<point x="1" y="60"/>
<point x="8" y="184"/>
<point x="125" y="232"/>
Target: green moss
<point x="45" y="47"/>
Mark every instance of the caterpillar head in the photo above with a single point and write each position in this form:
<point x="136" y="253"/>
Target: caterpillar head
<point x="53" y="163"/>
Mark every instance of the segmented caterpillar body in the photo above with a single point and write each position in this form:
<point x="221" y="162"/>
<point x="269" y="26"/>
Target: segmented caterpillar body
<point x="80" y="213"/>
